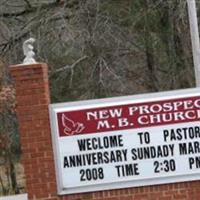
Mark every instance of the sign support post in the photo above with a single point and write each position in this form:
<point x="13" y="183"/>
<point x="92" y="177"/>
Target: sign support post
<point x="194" y="38"/>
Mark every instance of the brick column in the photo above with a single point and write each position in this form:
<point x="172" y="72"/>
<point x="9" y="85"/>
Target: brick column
<point x="32" y="95"/>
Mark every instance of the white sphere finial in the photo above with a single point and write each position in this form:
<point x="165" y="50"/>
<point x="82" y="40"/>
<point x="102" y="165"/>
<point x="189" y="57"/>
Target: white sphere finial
<point x="28" y="51"/>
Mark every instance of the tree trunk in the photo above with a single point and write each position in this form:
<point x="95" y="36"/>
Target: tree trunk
<point x="149" y="50"/>
<point x="13" y="176"/>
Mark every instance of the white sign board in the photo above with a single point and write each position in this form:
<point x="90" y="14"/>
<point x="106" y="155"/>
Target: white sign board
<point x="127" y="141"/>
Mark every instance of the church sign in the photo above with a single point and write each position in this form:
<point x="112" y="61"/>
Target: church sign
<point x="127" y="141"/>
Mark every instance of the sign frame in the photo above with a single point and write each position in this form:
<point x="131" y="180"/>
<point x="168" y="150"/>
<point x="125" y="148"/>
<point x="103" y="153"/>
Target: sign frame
<point x="97" y="103"/>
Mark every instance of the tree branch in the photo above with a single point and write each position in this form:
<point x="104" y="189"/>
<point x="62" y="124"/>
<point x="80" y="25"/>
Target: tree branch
<point x="28" y="4"/>
<point x="70" y="66"/>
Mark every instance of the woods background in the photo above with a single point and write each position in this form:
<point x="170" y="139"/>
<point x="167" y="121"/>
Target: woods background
<point x="94" y="49"/>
